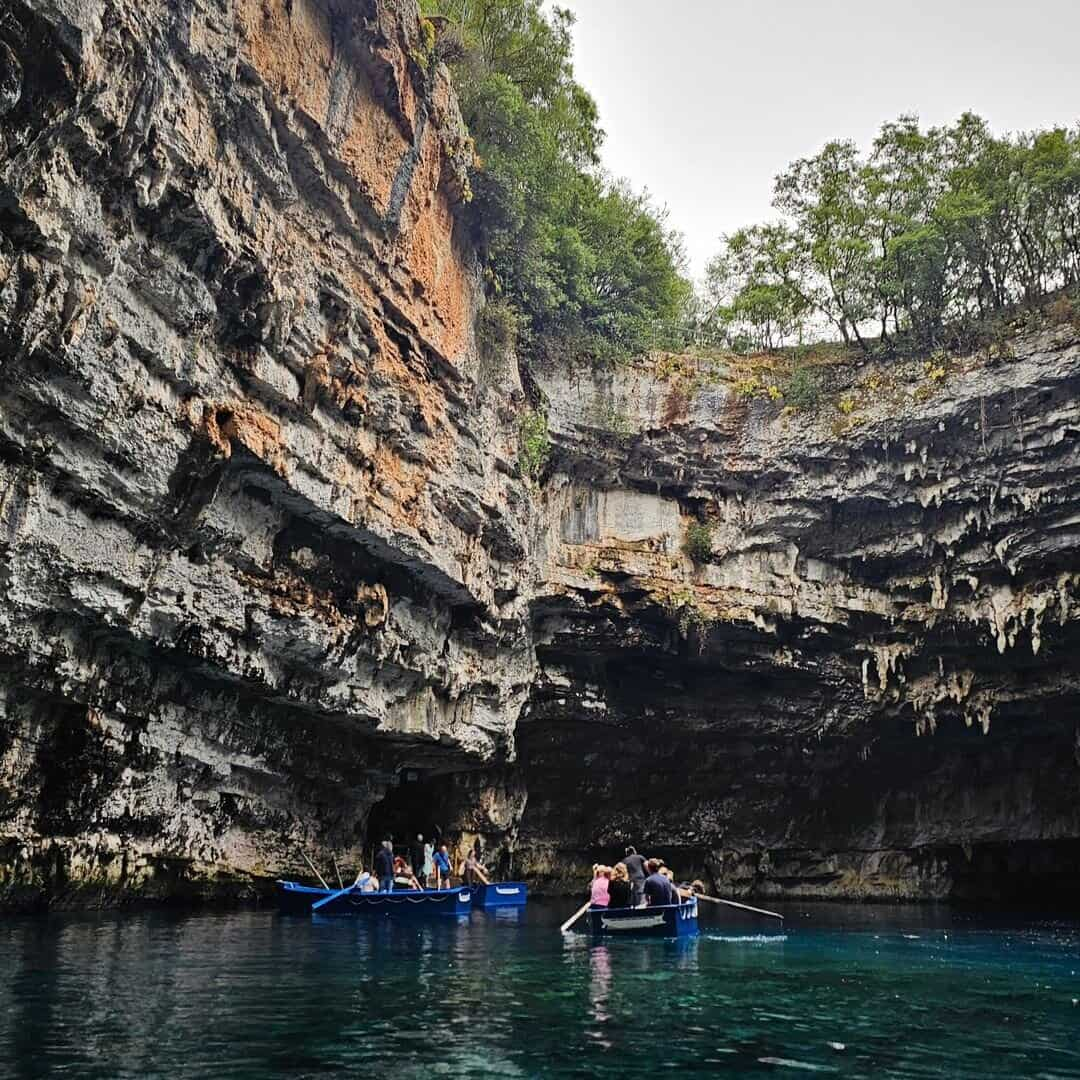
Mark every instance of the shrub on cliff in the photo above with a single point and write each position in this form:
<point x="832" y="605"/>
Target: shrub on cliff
<point x="496" y="334"/>
<point x="698" y="542"/>
<point x="589" y="265"/>
<point x="534" y="444"/>
<point x="803" y="390"/>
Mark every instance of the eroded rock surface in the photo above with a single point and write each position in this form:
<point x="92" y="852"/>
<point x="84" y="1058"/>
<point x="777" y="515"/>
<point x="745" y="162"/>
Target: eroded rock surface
<point x="262" y="540"/>
<point x="273" y="580"/>
<point x="869" y="686"/>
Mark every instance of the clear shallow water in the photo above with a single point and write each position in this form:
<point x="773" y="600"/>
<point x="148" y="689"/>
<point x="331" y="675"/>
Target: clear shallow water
<point x="843" y="991"/>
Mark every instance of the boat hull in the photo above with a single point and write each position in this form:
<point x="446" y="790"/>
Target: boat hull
<point x="669" y="920"/>
<point x="499" y="894"/>
<point x="296" y="899"/>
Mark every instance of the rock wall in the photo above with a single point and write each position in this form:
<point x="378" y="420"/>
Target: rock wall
<point x="261" y="537"/>
<point x="868" y="687"/>
<point x="273" y="580"/>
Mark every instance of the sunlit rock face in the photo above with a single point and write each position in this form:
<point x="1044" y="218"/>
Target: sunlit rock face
<point x="262" y="538"/>
<point x="869" y="686"/>
<point x="273" y="581"/>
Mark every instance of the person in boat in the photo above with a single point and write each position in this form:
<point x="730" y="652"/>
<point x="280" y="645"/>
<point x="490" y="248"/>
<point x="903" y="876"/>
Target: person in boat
<point x="416" y="855"/>
<point x="366" y="882"/>
<point x="442" y="868"/>
<point x="384" y="866"/>
<point x="635" y="869"/>
<point x="475" y="871"/>
<point x="657" y="888"/>
<point x="599" y="891"/>
<point x="669" y="874"/>
<point x="429" y="863"/>
<point x="403" y="874"/>
<point x="619" y="887"/>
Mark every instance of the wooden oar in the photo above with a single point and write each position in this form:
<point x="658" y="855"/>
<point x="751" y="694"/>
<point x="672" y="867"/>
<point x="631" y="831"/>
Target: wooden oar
<point x="314" y="871"/>
<point x="333" y="896"/>
<point x="577" y="915"/>
<point x="337" y="871"/>
<point x="341" y="892"/>
<point x="745" y="907"/>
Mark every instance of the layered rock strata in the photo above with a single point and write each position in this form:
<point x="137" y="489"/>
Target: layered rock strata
<point x="262" y="538"/>
<point x="868" y="684"/>
<point x="274" y="582"/>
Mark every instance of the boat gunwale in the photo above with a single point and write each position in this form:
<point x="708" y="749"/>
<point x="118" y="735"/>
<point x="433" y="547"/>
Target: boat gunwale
<point x="453" y="902"/>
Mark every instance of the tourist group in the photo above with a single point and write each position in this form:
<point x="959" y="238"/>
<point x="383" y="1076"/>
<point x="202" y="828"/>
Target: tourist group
<point x="635" y="881"/>
<point x="426" y="865"/>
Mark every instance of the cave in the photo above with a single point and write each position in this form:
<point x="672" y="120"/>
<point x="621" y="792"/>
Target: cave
<point x="416" y="804"/>
<point x="1043" y="874"/>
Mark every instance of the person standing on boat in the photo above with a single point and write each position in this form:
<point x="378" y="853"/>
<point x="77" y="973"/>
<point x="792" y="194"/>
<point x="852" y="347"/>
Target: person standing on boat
<point x="416" y="855"/>
<point x="384" y="866"/>
<point x="635" y="869"/>
<point x="442" y="868"/>
<point x="429" y="863"/>
<point x="657" y="888"/>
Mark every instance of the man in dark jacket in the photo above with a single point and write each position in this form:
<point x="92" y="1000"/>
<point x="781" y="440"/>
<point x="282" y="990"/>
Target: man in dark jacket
<point x="384" y="866"/>
<point x="635" y="868"/>
<point x="416" y="853"/>
<point x="657" y="888"/>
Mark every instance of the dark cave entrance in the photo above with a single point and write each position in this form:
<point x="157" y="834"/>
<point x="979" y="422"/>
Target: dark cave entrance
<point x="416" y="804"/>
<point x="1039" y="873"/>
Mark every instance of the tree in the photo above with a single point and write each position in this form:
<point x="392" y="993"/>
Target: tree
<point x="827" y="200"/>
<point x="757" y="285"/>
<point x="933" y="231"/>
<point x="590" y="266"/>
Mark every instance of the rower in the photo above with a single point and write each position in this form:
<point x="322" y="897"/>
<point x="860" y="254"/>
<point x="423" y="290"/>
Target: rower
<point x="475" y="871"/>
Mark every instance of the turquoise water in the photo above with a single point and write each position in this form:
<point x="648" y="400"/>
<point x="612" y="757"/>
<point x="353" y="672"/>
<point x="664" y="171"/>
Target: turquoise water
<point x="843" y="991"/>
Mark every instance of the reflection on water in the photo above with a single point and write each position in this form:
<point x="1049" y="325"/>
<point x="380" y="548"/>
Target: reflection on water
<point x="859" y="991"/>
<point x="599" y="988"/>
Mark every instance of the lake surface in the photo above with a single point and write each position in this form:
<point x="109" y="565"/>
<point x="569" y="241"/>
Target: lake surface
<point x="842" y="990"/>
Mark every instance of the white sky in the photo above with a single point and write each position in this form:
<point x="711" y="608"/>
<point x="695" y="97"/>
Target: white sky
<point x="704" y="101"/>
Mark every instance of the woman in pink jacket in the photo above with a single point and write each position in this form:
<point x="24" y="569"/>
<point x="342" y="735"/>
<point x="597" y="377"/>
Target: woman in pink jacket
<point x="601" y="877"/>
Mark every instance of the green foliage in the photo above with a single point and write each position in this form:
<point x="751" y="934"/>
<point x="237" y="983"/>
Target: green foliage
<point x="930" y="233"/>
<point x="698" y="541"/>
<point x="496" y="333"/>
<point x="692" y="619"/>
<point x="590" y="266"/>
<point x="534" y="444"/>
<point x="803" y="390"/>
<point x="614" y="425"/>
<point x="422" y="54"/>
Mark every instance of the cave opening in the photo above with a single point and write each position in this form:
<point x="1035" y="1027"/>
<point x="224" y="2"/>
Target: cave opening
<point x="415" y="804"/>
<point x="1022" y="873"/>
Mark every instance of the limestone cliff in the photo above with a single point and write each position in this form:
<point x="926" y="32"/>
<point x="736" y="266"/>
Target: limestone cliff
<point x="274" y="582"/>
<point x="868" y="686"/>
<point x="262" y="538"/>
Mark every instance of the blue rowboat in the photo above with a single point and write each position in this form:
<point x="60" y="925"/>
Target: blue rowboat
<point x="500" y="894"/>
<point x="666" y="920"/>
<point x="295" y="899"/>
